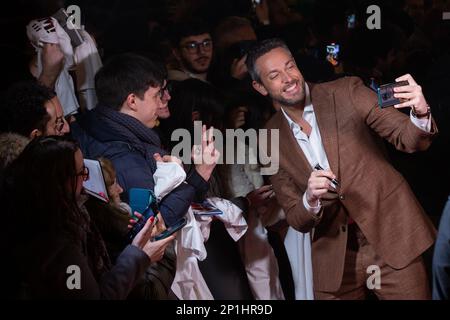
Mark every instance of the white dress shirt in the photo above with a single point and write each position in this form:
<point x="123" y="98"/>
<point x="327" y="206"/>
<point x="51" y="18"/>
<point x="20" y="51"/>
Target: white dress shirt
<point x="312" y="146"/>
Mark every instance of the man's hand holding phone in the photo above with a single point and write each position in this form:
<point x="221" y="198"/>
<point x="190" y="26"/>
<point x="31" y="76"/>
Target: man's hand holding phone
<point x="319" y="183"/>
<point x="413" y="96"/>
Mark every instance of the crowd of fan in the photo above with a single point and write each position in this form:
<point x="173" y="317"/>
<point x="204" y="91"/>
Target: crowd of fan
<point x="185" y="62"/>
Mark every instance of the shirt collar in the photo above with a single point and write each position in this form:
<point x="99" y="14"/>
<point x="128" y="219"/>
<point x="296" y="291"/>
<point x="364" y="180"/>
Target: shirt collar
<point x="308" y="108"/>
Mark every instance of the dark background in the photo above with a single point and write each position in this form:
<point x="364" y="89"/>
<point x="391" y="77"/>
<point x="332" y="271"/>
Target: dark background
<point x="413" y="39"/>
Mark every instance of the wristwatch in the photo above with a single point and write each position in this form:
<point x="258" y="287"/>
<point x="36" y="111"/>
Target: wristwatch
<point x="420" y="115"/>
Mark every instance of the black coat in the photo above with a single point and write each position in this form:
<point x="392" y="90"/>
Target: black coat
<point x="130" y="146"/>
<point x="65" y="266"/>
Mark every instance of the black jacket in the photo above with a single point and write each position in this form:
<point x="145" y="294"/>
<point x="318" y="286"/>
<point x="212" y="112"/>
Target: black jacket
<point x="130" y="145"/>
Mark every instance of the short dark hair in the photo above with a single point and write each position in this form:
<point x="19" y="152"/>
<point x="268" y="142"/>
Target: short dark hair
<point x="260" y="49"/>
<point x="23" y="108"/>
<point x="187" y="28"/>
<point x="126" y="74"/>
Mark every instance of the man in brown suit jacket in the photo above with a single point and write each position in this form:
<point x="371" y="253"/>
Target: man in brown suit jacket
<point x="369" y="219"/>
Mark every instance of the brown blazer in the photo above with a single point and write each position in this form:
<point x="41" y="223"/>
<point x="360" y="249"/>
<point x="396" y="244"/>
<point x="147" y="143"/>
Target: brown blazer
<point x="372" y="192"/>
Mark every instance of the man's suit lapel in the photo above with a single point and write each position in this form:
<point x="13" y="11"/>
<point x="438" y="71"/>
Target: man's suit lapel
<point x="325" y="111"/>
<point x="292" y="158"/>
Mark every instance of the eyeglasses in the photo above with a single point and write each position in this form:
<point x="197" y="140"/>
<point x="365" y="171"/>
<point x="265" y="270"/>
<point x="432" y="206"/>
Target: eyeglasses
<point x="164" y="89"/>
<point x="59" y="124"/>
<point x="192" y="47"/>
<point x="84" y="173"/>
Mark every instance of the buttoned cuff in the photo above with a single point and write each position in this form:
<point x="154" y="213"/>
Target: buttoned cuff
<point x="313" y="210"/>
<point x="422" y="124"/>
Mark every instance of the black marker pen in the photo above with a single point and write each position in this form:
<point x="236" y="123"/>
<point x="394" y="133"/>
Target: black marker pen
<point x="334" y="181"/>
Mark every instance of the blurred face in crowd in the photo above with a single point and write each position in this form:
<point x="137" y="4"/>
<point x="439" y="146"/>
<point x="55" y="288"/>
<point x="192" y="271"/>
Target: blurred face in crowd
<point x="82" y="173"/>
<point x="163" y="110"/>
<point x="280" y="78"/>
<point x="195" y="53"/>
<point x="57" y="125"/>
<point x="145" y="109"/>
<point x="114" y="192"/>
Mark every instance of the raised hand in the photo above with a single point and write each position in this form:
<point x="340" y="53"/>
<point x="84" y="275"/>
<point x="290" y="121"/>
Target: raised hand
<point x="206" y="156"/>
<point x="52" y="64"/>
<point x="413" y="95"/>
<point x="237" y="117"/>
<point x="238" y="69"/>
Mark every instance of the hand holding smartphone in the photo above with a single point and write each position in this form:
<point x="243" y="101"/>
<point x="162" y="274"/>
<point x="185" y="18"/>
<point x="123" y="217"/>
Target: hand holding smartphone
<point x="386" y="94"/>
<point x="172" y="229"/>
<point x="154" y="249"/>
<point x="142" y="201"/>
<point x="139" y="225"/>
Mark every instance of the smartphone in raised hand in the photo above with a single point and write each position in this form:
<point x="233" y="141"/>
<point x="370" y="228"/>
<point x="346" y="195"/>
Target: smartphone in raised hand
<point x="386" y="94"/>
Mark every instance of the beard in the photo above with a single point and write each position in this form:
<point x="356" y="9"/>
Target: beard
<point x="196" y="66"/>
<point x="295" y="100"/>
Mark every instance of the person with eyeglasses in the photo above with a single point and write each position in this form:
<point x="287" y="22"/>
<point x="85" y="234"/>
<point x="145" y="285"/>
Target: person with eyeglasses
<point x="31" y="110"/>
<point x="192" y="48"/>
<point x="131" y="89"/>
<point x="337" y="187"/>
<point x="163" y="111"/>
<point x="28" y="110"/>
<point x="53" y="246"/>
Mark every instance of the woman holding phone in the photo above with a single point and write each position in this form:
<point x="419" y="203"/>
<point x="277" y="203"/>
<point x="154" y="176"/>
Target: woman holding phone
<point x="52" y="248"/>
